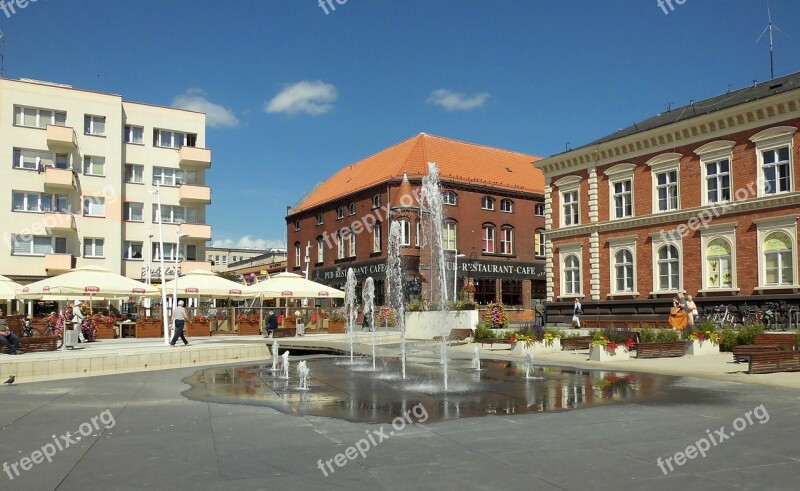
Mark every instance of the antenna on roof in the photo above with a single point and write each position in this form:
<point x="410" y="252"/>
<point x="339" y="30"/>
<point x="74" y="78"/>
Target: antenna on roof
<point x="566" y="147"/>
<point x="669" y="106"/>
<point x="729" y="88"/>
<point x="769" y="28"/>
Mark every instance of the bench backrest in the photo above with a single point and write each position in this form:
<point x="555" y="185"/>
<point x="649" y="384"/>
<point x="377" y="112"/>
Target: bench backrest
<point x="783" y="338"/>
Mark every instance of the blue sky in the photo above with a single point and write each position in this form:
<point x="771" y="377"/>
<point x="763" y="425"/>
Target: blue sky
<point x="293" y="93"/>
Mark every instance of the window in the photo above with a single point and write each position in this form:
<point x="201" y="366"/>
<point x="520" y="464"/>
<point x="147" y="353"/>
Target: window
<point x="572" y="275"/>
<point x="33" y="159"/>
<point x="667" y="190"/>
<point x="234" y="259"/>
<point x="133" y="212"/>
<point x="339" y="212"/>
<point x="506" y="240"/>
<point x="488" y="238"/>
<point x="26" y="245"/>
<point x="718" y="181"/>
<point x="774" y="152"/>
<point x="778" y="264"/>
<point x="94" y="248"/>
<point x="134" y="134"/>
<point x="376" y="238"/>
<point x="340" y="244"/>
<point x="320" y="249"/>
<point x="538" y="210"/>
<point x="623" y="271"/>
<point x="351" y="209"/>
<point x="449" y="232"/>
<point x="62" y="161"/>
<point x="94" y="125"/>
<point x="449" y="198"/>
<point x="297" y="225"/>
<point x="38" y="118"/>
<point x="511" y="292"/>
<point x="623" y="204"/>
<point x="417" y="234"/>
<point x="376" y="201"/>
<point x="191" y="252"/>
<point x="570" y="208"/>
<point x="94" y="166"/>
<point x="217" y="260"/>
<point x="485" y="291"/>
<point x="175" y="214"/>
<point x="539" y="243"/>
<point x="319" y="219"/>
<point x="506" y="206"/>
<point x="173" y="139"/>
<point x="405" y="232"/>
<point x="134" y="173"/>
<point x="133" y="250"/>
<point x="668" y="268"/>
<point x="487" y="203"/>
<point x="94" y="206"/>
<point x="297" y="254"/>
<point x="173" y="177"/>
<point x="170" y="251"/>
<point x="225" y="259"/>
<point x="352" y="237"/>
<point x="38" y="202"/>
<point x="719" y="271"/>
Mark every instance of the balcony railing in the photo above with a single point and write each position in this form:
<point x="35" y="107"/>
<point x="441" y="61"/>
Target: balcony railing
<point x="195" y="194"/>
<point x="61" y="137"/>
<point x="59" y="178"/>
<point x="59" y="221"/>
<point x="195" y="157"/>
<point x="196" y="231"/>
<point x="58" y="263"/>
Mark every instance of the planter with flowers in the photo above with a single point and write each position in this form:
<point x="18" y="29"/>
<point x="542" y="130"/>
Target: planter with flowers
<point x="199" y="326"/>
<point x="702" y="342"/>
<point x="336" y="322"/>
<point x="604" y="349"/>
<point x="248" y="325"/>
<point x="614" y="384"/>
<point x="104" y="326"/>
<point x="535" y="340"/>
<point x="386" y="317"/>
<point x="149" y="327"/>
<point x="468" y="292"/>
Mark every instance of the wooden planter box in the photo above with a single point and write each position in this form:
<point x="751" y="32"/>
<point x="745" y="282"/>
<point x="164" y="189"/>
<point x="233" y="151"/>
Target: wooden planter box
<point x="249" y="328"/>
<point x="105" y="331"/>
<point x="289" y="323"/>
<point x="149" y="330"/>
<point x="336" y="327"/>
<point x="197" y="329"/>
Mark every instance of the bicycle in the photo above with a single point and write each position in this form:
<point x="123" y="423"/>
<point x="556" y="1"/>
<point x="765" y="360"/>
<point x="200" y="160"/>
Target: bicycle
<point x="49" y="329"/>
<point x="723" y="315"/>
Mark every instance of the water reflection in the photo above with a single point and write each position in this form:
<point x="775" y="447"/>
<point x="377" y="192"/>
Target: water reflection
<point x="340" y="391"/>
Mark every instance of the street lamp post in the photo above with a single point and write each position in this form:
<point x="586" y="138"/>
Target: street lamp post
<point x="455" y="275"/>
<point x="177" y="254"/>
<point x="164" y="322"/>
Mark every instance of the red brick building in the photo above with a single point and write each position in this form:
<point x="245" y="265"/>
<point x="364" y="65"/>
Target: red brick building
<point x="494" y="218"/>
<point x="702" y="199"/>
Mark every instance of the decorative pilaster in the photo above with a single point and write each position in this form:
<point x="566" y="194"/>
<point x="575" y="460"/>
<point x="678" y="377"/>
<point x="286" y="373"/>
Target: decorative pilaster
<point x="594" y="265"/>
<point x="594" y="212"/>
<point x="548" y="244"/>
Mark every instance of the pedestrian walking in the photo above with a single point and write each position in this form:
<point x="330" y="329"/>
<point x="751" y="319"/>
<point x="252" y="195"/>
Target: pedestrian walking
<point x="179" y="319"/>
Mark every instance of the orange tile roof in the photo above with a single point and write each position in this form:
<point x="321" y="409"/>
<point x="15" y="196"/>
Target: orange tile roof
<point x="458" y="161"/>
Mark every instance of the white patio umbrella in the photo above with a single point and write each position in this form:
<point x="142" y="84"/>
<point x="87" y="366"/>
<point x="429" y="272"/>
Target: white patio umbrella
<point x="91" y="281"/>
<point x="201" y="283"/>
<point x="8" y="288"/>
<point x="290" y="285"/>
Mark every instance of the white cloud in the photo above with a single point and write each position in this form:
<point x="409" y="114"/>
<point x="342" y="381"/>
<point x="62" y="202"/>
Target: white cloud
<point x="216" y="116"/>
<point x="453" y="101"/>
<point x="248" y="242"/>
<point x="312" y="98"/>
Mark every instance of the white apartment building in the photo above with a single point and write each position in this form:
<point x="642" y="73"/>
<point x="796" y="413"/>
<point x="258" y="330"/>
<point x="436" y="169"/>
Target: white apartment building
<point x="82" y="181"/>
<point x="223" y="259"/>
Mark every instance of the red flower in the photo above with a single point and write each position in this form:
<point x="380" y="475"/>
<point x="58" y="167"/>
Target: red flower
<point x="612" y="346"/>
<point x="629" y="343"/>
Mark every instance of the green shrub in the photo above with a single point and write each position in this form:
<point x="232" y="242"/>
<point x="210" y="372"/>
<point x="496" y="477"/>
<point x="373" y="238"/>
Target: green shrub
<point x="648" y="335"/>
<point x="667" y="335"/>
<point x="748" y="333"/>
<point x="483" y="332"/>
<point x="729" y="339"/>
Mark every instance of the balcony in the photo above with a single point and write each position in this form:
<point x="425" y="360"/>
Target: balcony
<point x="61" y="137"/>
<point x="189" y="266"/>
<point x="58" y="263"/>
<point x="59" y="221"/>
<point x="195" y="157"/>
<point x="59" y="178"/>
<point x="194" y="194"/>
<point x="196" y="231"/>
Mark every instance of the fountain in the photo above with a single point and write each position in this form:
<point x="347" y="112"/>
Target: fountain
<point x="350" y="306"/>
<point x="303" y="373"/>
<point x="368" y="295"/>
<point x="476" y="358"/>
<point x="528" y="365"/>
<point x="285" y="364"/>
<point x="394" y="273"/>
<point x="275" y="347"/>
<point x="431" y="200"/>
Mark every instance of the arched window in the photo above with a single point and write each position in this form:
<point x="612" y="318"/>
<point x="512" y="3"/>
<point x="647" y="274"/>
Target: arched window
<point x="488" y="238"/>
<point x="623" y="271"/>
<point x="449" y="233"/>
<point x="340" y="244"/>
<point x="449" y="198"/>
<point x="718" y="264"/>
<point x="405" y="232"/>
<point x="487" y="203"/>
<point x="507" y="240"/>
<point x="297" y="254"/>
<point x="351" y="208"/>
<point x="778" y="266"/>
<point x="506" y="206"/>
<point x="538" y="242"/>
<point x="668" y="268"/>
<point x="352" y="251"/>
<point x="539" y="210"/>
<point x="340" y="212"/>
<point x="572" y="275"/>
<point x="320" y="249"/>
<point x="376" y="238"/>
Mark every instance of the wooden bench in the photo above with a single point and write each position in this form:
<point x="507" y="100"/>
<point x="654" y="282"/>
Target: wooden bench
<point x="493" y="341"/>
<point x="578" y="342"/>
<point x="775" y="361"/>
<point x="285" y="332"/>
<point x="45" y="343"/>
<point x="456" y="335"/>
<point x="661" y="350"/>
<point x="783" y="341"/>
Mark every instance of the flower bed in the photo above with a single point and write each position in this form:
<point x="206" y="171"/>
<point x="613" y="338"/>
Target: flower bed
<point x="149" y="328"/>
<point x="609" y="352"/>
<point x="199" y="327"/>
<point x="105" y="331"/>
<point x="248" y="327"/>
<point x="537" y="347"/>
<point x="702" y="348"/>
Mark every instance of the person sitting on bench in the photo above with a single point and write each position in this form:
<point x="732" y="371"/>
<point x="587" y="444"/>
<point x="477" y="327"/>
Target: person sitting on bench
<point x="7" y="337"/>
